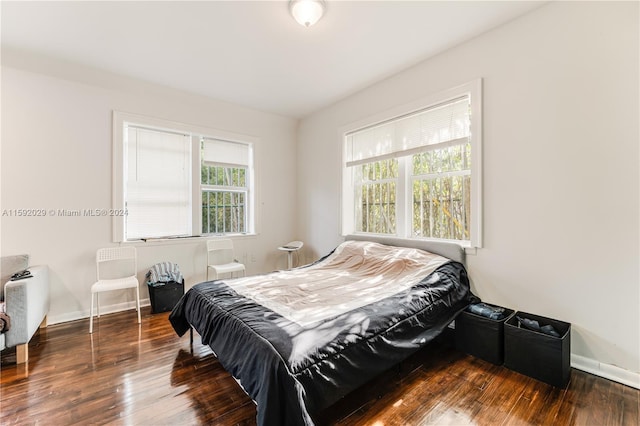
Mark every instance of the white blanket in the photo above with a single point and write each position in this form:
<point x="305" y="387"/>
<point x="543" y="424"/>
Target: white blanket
<point x="356" y="274"/>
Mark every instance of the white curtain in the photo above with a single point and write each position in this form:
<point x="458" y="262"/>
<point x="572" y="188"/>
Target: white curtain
<point x="224" y="153"/>
<point x="430" y="128"/>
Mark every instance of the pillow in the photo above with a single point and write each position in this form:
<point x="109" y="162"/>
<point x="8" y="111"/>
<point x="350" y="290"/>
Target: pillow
<point x="9" y="265"/>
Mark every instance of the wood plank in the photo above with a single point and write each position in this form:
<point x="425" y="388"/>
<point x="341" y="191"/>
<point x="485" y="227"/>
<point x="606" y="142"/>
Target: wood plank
<point x="126" y="373"/>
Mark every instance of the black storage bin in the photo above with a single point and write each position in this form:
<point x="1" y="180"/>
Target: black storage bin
<point x="536" y="354"/>
<point x="480" y="336"/>
<point x="164" y="296"/>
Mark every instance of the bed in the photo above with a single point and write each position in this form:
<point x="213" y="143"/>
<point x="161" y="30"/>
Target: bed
<point x="297" y="341"/>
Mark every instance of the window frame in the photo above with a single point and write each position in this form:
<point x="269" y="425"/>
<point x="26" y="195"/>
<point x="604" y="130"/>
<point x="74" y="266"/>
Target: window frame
<point x="404" y="201"/>
<point x="230" y="189"/>
<point x="380" y="182"/>
<point x="121" y="119"/>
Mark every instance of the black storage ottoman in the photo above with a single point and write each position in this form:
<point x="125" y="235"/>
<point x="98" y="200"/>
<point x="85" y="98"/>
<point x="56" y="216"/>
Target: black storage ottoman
<point x="536" y="354"/>
<point x="480" y="336"/>
<point x="164" y="296"/>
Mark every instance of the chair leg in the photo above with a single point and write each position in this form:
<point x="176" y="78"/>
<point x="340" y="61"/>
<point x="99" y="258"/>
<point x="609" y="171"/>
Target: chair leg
<point x="98" y="304"/>
<point x="91" y="315"/>
<point x="138" y="303"/>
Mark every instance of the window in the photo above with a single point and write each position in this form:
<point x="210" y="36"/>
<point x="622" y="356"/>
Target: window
<point x="375" y="189"/>
<point x="157" y="183"/>
<point x="415" y="172"/>
<point x="223" y="179"/>
<point x="441" y="193"/>
<point x="174" y="180"/>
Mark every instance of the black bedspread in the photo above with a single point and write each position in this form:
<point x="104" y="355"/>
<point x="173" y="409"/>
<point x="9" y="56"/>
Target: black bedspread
<point x="291" y="371"/>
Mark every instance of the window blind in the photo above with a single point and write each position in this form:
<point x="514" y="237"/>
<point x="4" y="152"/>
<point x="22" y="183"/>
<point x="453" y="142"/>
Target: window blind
<point x="434" y="127"/>
<point x="224" y="153"/>
<point x="158" y="184"/>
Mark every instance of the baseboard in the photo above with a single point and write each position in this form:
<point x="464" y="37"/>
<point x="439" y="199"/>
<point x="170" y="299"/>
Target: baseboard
<point x="78" y="315"/>
<point x="607" y="371"/>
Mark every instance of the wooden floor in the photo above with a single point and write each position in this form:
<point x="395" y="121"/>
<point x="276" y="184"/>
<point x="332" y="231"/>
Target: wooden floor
<point x="146" y="375"/>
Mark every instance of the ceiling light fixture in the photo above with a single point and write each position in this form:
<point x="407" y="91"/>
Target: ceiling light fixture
<point x="306" y="12"/>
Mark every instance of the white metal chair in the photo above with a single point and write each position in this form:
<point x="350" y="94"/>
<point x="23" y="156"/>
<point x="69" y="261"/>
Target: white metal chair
<point x="220" y="259"/>
<point x="128" y="262"/>
<point x="290" y="248"/>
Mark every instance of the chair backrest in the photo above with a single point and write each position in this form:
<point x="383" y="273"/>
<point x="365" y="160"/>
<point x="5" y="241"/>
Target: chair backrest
<point x="124" y="255"/>
<point x="294" y="244"/>
<point x="219" y="252"/>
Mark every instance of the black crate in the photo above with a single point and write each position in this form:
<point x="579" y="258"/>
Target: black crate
<point x="536" y="354"/>
<point x="480" y="336"/>
<point x="164" y="296"/>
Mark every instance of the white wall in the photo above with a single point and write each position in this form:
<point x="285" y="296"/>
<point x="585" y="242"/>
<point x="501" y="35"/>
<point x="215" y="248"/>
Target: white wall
<point x="561" y="183"/>
<point x="57" y="154"/>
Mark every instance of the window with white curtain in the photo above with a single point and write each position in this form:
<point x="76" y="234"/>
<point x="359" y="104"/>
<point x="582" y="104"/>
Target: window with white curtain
<point x="416" y="172"/>
<point x="224" y="186"/>
<point x="157" y="183"/>
<point x="174" y="180"/>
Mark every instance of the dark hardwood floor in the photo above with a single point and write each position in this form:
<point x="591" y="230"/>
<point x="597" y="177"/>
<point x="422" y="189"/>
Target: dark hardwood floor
<point x="146" y="375"/>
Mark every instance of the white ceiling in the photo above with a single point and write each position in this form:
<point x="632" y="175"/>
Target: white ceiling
<point x="250" y="53"/>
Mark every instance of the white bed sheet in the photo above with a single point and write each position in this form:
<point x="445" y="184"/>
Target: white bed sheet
<point x="356" y="274"/>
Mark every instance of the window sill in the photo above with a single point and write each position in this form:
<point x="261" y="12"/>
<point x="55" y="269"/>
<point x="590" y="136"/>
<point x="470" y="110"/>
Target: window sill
<point x="185" y="240"/>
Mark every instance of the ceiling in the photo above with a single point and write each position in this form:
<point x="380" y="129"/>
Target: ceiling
<point x="251" y="53"/>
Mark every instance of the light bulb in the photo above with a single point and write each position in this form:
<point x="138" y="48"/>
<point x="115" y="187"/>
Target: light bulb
<point x="307" y="12"/>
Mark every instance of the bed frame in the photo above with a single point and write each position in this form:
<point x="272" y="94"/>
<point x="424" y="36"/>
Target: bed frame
<point x="452" y="251"/>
